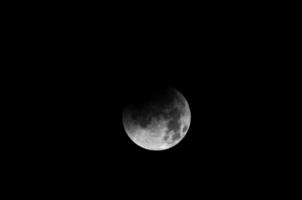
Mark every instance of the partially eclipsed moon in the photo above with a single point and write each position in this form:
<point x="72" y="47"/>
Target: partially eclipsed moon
<point x="154" y="137"/>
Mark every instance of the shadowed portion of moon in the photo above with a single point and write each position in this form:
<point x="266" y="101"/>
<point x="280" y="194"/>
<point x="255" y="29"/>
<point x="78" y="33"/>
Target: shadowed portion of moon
<point x="160" y="119"/>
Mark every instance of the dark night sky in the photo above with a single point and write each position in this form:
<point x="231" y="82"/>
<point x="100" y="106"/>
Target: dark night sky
<point x="88" y="76"/>
<point x="86" y="122"/>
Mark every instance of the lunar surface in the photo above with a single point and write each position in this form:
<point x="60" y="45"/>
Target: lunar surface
<point x="164" y="128"/>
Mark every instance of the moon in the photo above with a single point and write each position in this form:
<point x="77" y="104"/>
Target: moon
<point x="154" y="136"/>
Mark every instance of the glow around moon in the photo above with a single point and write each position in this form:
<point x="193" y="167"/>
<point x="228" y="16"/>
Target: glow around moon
<point x="152" y="137"/>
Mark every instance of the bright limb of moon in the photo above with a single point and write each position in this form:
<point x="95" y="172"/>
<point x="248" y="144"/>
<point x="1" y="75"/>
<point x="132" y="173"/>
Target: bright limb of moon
<point x="186" y="114"/>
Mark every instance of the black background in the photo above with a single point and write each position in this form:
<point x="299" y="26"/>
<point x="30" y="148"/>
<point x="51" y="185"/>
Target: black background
<point x="83" y="69"/>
